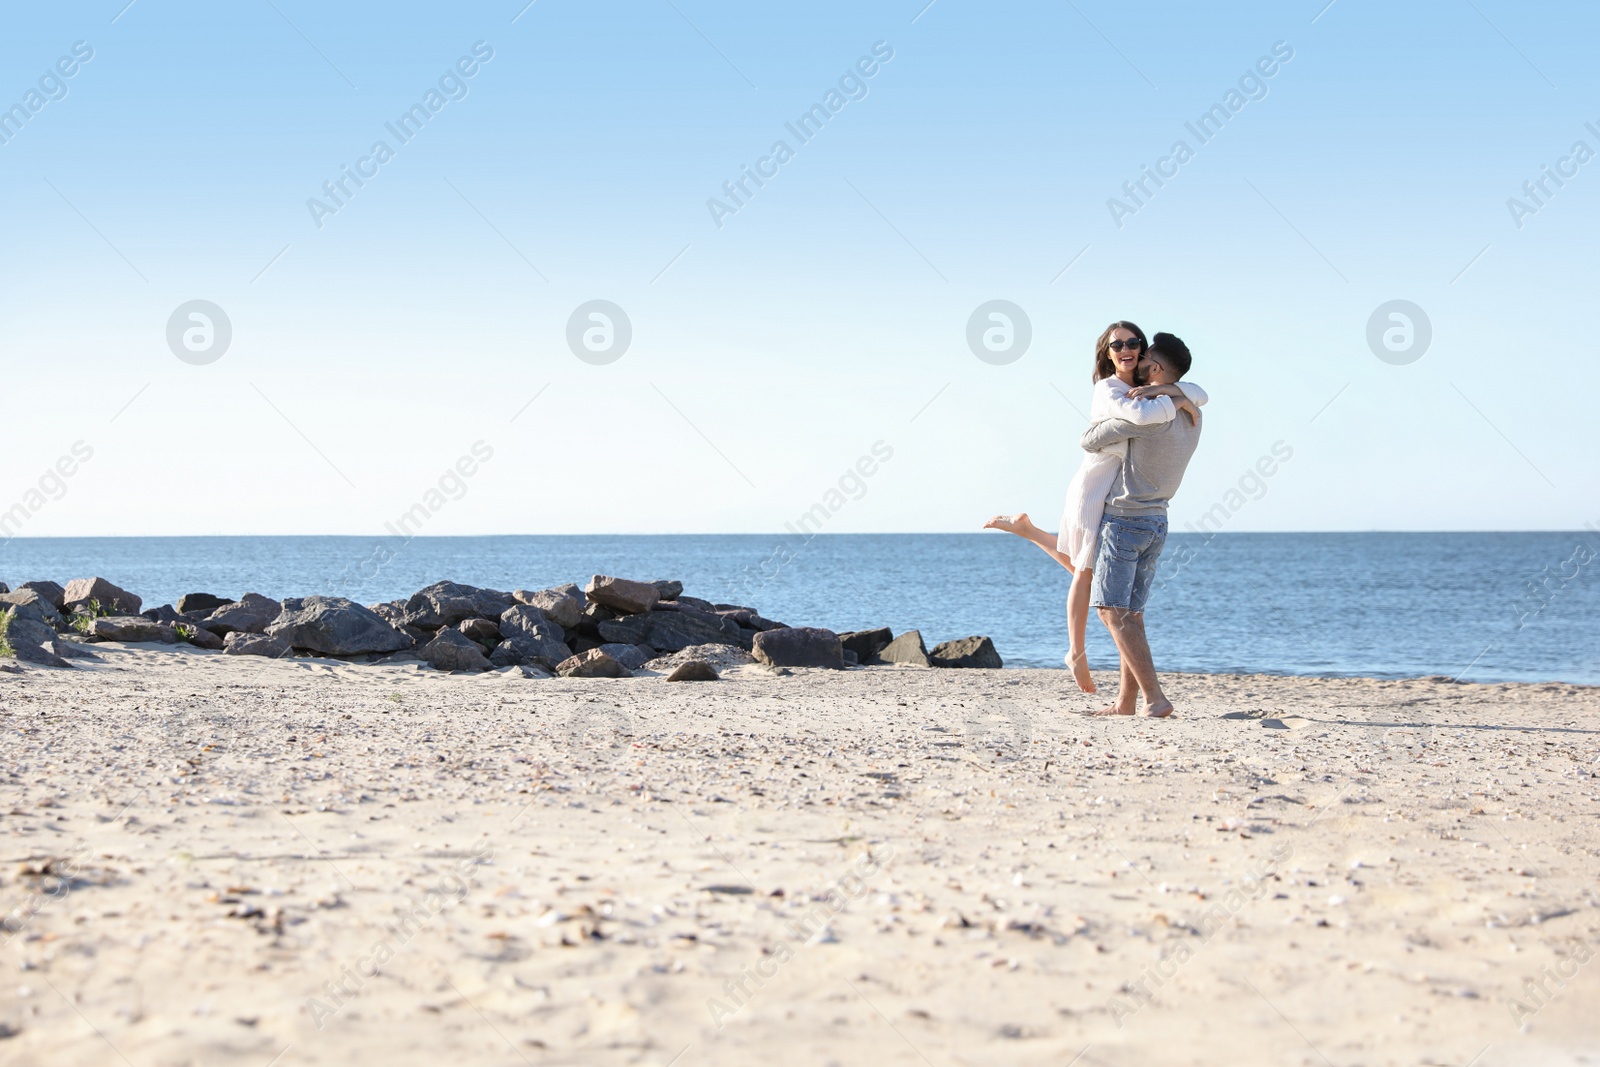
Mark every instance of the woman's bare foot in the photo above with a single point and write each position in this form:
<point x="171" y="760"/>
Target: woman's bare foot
<point x="1024" y="528"/>
<point x="1159" y="711"/>
<point x="1079" y="663"/>
<point x="1010" y="523"/>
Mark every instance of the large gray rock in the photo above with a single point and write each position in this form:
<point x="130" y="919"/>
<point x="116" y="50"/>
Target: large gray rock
<point x="244" y="643"/>
<point x="132" y="628"/>
<point x="630" y="656"/>
<point x="165" y="613"/>
<point x="335" y="626"/>
<point x="113" y="599"/>
<point x="564" y="604"/>
<point x="510" y="653"/>
<point x="523" y="619"/>
<point x="966" y="652"/>
<point x="668" y="590"/>
<point x="453" y="650"/>
<point x="591" y="664"/>
<point x="668" y="631"/>
<point x="50" y="591"/>
<point x="621" y="594"/>
<point x="534" y="638"/>
<point x="448" y="603"/>
<point x="190" y="632"/>
<point x="37" y="605"/>
<point x="751" y="620"/>
<point x="392" y="612"/>
<point x="593" y="615"/>
<point x="907" y="648"/>
<point x="525" y="651"/>
<point x="799" y="646"/>
<point x="32" y="609"/>
<point x="252" y="615"/>
<point x="867" y="643"/>
<point x="483" y="631"/>
<point x="31" y="639"/>
<point x="694" y="670"/>
<point x="201" y="604"/>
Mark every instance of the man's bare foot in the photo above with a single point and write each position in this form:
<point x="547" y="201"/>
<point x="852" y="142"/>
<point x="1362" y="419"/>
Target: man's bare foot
<point x="1159" y="711"/>
<point x="1079" y="663"/>
<point x="1115" y="709"/>
<point x="1010" y="523"/>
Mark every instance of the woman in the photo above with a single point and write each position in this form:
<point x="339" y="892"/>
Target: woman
<point x="1118" y="394"/>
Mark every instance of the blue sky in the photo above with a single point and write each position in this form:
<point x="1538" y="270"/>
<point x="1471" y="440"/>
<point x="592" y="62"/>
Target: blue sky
<point x="830" y="311"/>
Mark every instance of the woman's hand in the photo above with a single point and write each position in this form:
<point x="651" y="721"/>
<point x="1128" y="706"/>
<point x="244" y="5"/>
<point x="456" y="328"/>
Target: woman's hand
<point x="1144" y="392"/>
<point x="1187" y="407"/>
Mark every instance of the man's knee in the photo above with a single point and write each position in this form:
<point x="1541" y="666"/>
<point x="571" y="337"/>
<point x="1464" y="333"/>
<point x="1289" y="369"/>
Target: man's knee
<point x="1116" y="618"/>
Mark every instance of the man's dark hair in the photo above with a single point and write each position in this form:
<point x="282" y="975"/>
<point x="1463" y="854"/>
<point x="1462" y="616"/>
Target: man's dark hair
<point x="1171" y="350"/>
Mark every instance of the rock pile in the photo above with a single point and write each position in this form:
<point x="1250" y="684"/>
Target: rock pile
<point x="608" y="629"/>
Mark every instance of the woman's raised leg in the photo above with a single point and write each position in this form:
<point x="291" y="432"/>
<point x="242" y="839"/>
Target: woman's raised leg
<point x="1024" y="528"/>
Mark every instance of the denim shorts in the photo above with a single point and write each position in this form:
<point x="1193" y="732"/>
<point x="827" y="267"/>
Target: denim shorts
<point x="1125" y="566"/>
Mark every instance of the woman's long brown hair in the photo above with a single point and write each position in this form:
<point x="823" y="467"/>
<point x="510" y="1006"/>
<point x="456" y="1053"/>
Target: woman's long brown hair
<point x="1103" y="367"/>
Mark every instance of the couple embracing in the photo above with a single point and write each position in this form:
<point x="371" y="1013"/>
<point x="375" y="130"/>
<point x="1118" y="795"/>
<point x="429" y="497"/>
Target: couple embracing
<point x="1144" y="427"/>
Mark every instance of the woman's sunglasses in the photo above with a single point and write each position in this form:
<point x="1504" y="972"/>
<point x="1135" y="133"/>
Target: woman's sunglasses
<point x="1118" y="346"/>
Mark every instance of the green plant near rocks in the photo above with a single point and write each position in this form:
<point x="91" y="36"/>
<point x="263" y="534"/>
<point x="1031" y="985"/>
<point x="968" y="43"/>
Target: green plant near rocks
<point x="6" y="651"/>
<point x="84" y="614"/>
<point x="185" y="632"/>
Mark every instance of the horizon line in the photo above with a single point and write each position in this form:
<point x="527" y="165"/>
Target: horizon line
<point x="1590" y="529"/>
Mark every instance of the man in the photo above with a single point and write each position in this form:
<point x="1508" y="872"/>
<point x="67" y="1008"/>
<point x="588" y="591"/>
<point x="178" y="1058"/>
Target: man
<point x="1134" y="529"/>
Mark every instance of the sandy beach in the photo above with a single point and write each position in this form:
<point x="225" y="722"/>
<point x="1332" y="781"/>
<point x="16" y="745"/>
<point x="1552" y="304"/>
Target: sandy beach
<point x="236" y="860"/>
